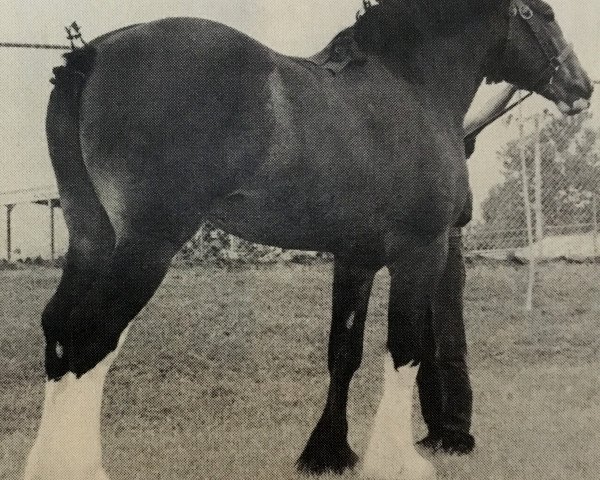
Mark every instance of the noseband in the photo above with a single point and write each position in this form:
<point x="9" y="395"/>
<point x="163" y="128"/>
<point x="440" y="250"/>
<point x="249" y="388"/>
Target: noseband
<point x="555" y="55"/>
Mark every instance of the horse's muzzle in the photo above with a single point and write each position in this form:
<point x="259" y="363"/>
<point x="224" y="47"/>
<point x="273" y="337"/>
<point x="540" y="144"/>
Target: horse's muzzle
<point x="578" y="106"/>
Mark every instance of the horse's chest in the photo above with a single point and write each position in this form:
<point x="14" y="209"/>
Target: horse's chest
<point x="433" y="193"/>
<point x="417" y="179"/>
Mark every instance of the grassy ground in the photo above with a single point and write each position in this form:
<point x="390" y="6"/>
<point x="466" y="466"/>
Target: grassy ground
<point x="223" y="375"/>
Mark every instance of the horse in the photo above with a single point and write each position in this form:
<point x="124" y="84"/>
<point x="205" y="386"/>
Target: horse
<point x="157" y="127"/>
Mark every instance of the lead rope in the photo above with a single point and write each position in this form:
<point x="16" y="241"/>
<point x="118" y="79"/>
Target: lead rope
<point x="503" y="112"/>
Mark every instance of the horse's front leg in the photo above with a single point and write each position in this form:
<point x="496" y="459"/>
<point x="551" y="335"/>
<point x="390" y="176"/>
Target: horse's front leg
<point x="328" y="449"/>
<point x="415" y="262"/>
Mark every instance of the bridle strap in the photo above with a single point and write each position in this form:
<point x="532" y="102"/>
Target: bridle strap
<point x="540" y="31"/>
<point x="554" y="55"/>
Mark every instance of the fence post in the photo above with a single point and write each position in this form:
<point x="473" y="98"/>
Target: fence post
<point x="201" y="242"/>
<point x="595" y="222"/>
<point x="539" y="214"/>
<point x="52" y="242"/>
<point x="528" y="219"/>
<point x="233" y="246"/>
<point x="9" y="209"/>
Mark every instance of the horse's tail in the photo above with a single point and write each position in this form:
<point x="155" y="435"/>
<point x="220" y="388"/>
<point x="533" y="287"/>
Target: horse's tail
<point x="85" y="217"/>
<point x="62" y="118"/>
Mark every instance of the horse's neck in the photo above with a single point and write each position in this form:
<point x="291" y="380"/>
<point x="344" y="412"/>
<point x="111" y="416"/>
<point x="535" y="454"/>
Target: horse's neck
<point x="450" y="71"/>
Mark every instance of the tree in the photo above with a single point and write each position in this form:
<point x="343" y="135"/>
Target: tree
<point x="570" y="161"/>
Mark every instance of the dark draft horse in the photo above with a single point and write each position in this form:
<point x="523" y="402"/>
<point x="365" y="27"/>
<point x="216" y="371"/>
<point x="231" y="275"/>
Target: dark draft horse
<point x="157" y="127"/>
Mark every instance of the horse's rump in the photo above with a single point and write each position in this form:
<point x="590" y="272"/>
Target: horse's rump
<point x="174" y="114"/>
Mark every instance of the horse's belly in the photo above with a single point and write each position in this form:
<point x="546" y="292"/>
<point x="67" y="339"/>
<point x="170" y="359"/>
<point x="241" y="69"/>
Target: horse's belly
<point x="258" y="216"/>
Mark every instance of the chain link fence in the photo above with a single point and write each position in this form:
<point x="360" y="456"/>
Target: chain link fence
<point x="548" y="193"/>
<point x="543" y="210"/>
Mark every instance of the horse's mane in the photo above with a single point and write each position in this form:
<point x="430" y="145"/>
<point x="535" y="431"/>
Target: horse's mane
<point x="406" y="23"/>
<point x="542" y="8"/>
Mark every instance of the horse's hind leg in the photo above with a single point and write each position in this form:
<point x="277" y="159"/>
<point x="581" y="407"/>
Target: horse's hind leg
<point x="109" y="276"/>
<point x="91" y="242"/>
<point x="415" y="262"/>
<point x="328" y="449"/>
<point x="58" y="433"/>
<point x="97" y="326"/>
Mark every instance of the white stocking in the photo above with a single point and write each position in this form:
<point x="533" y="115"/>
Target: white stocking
<point x="391" y="453"/>
<point x="68" y="444"/>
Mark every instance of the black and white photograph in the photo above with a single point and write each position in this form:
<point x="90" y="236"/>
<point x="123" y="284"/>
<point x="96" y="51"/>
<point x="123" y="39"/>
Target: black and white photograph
<point x="295" y="239"/>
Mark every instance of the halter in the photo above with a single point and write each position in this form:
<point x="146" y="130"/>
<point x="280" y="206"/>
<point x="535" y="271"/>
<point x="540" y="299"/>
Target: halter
<point x="555" y="55"/>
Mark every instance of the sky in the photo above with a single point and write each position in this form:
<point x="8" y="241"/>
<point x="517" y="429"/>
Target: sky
<point x="298" y="27"/>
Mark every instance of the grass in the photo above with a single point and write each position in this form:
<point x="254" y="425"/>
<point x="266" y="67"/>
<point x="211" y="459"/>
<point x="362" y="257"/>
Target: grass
<point x="223" y="375"/>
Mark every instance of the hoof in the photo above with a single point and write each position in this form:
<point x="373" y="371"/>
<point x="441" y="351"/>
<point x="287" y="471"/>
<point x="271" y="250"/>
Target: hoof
<point x="432" y="442"/>
<point x="457" y="443"/>
<point x="320" y="457"/>
<point x="39" y="475"/>
<point x="417" y="468"/>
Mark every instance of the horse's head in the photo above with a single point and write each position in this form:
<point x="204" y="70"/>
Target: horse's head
<point x="537" y="57"/>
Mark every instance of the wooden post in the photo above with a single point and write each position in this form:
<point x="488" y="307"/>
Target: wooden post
<point x="52" y="249"/>
<point x="595" y="222"/>
<point x="9" y="209"/>
<point x="528" y="220"/>
<point x="539" y="214"/>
